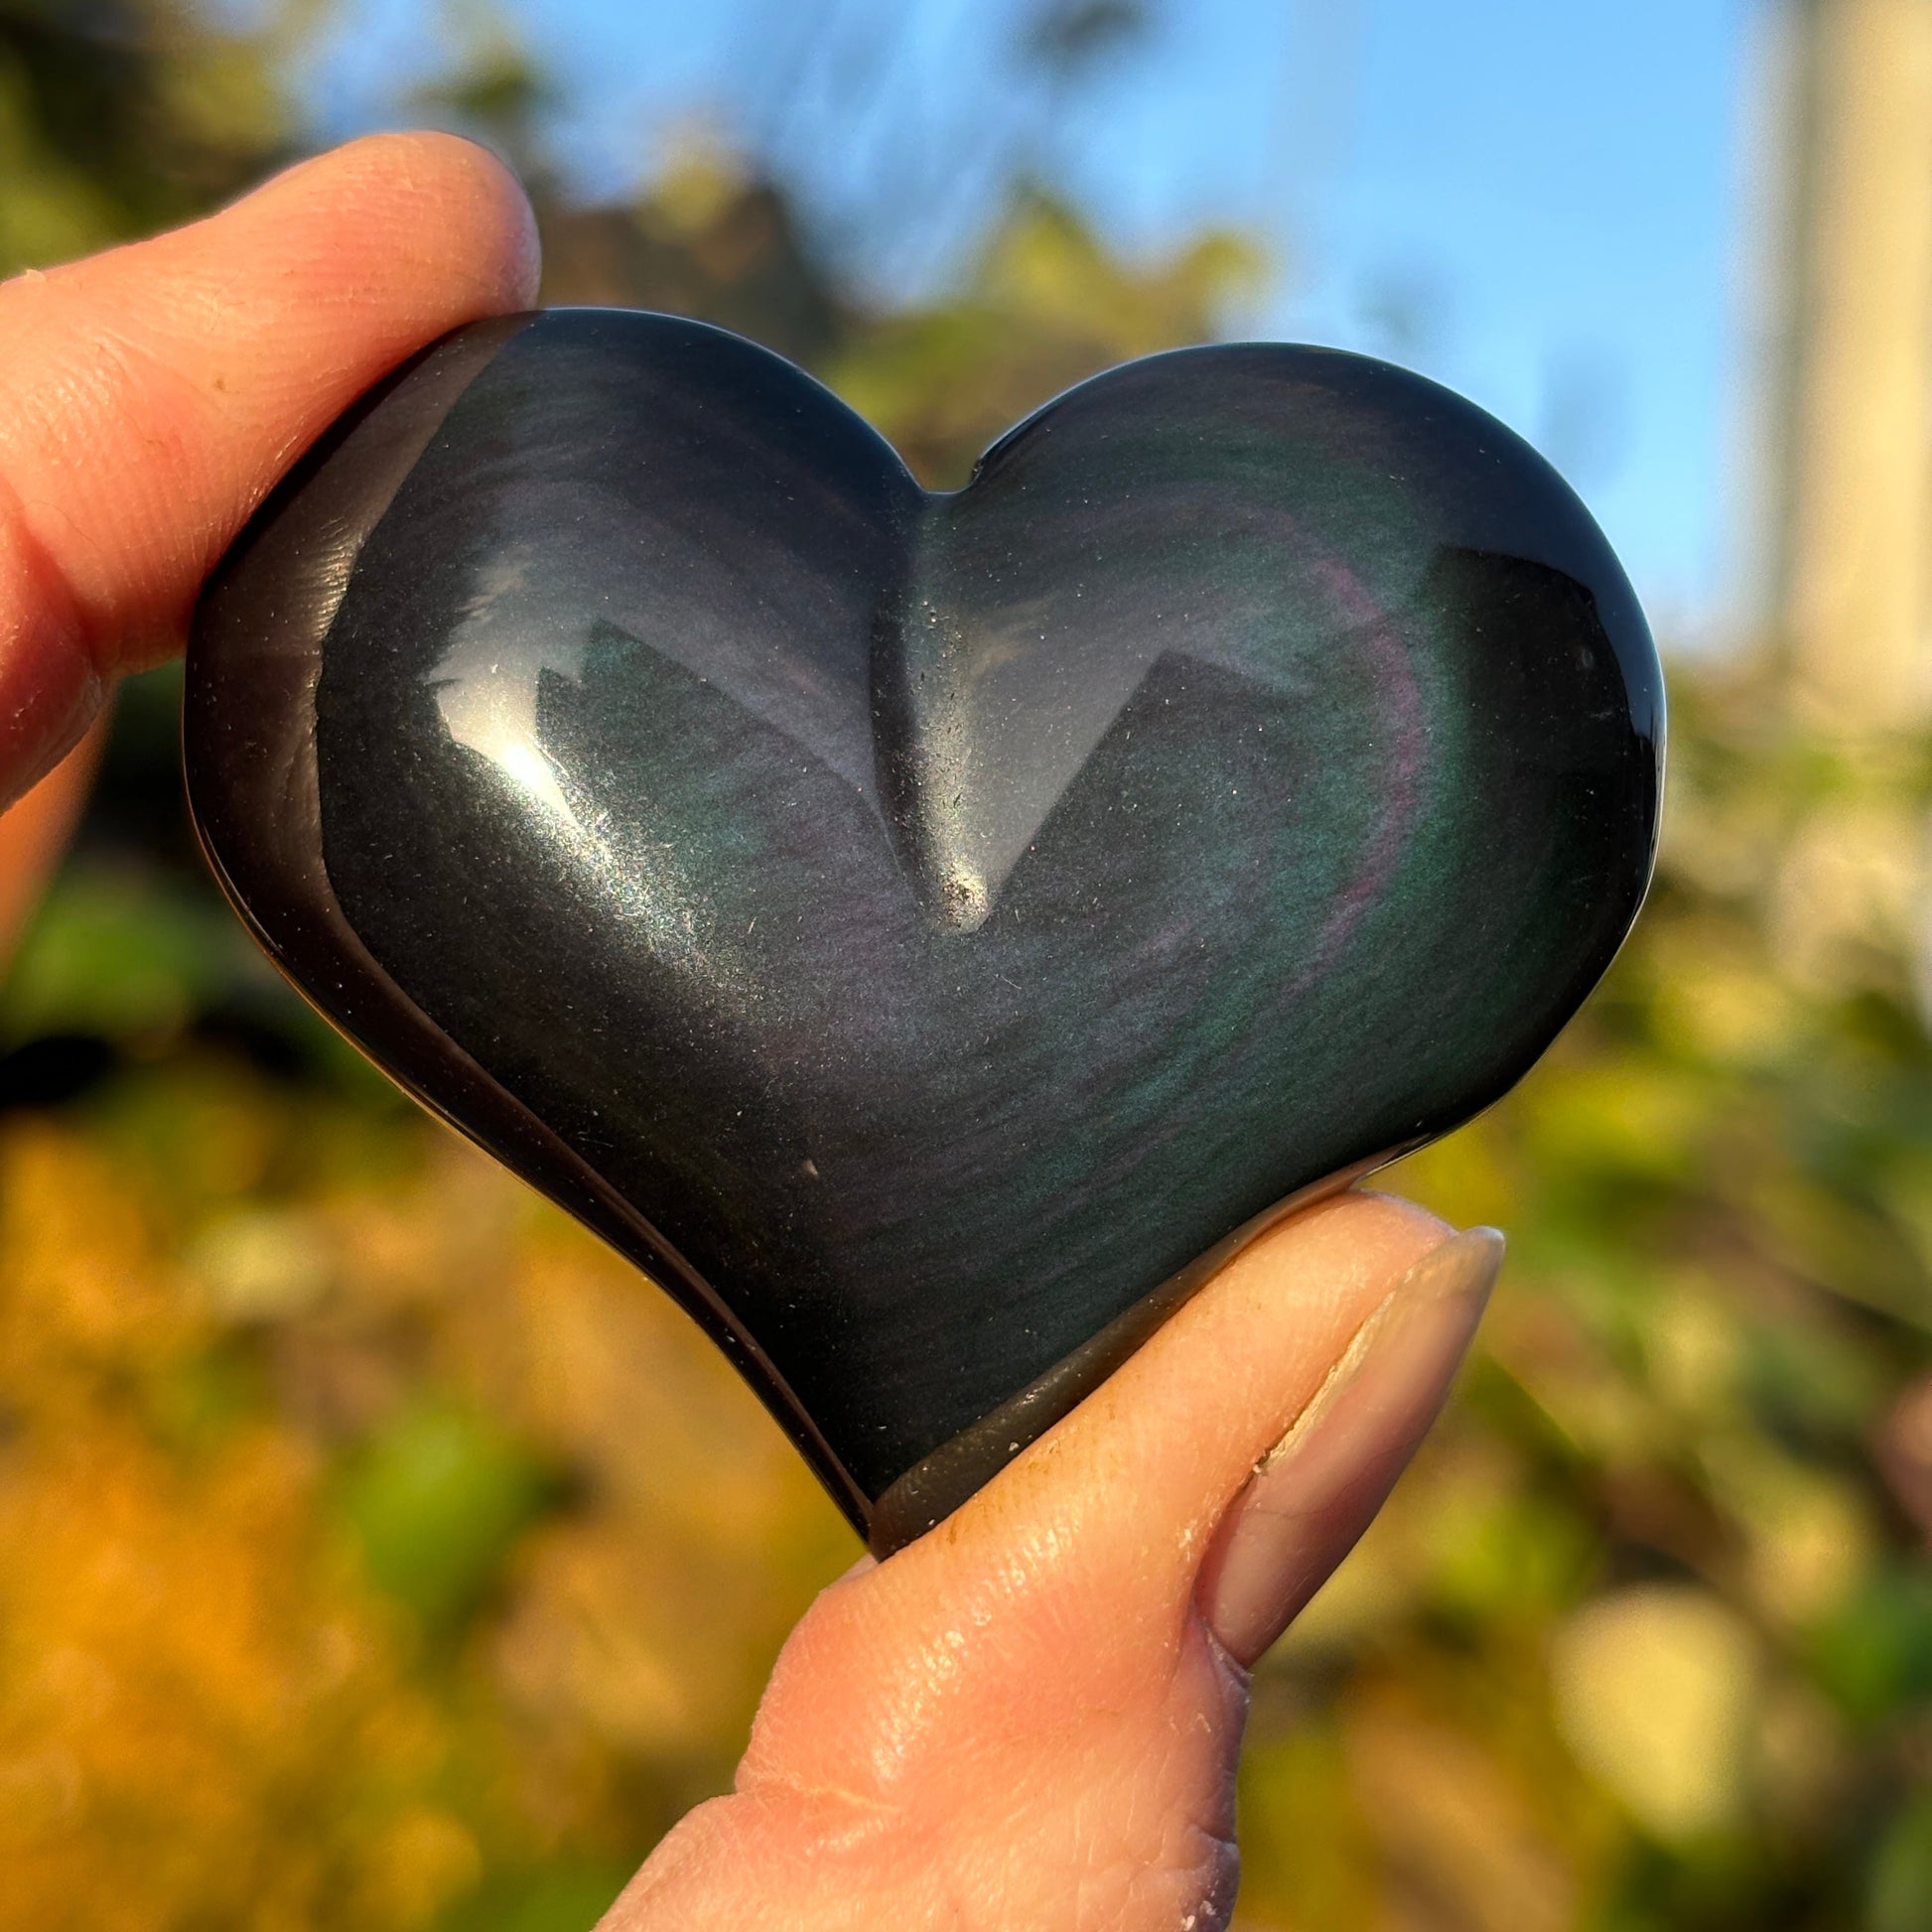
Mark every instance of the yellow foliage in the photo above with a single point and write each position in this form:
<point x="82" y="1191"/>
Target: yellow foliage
<point x="206" y="1711"/>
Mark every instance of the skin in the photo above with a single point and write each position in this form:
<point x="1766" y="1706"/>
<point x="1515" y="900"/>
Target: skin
<point x="1029" y="1718"/>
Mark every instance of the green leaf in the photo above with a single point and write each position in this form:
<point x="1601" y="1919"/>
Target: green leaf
<point x="438" y="1500"/>
<point x="1900" y="1895"/>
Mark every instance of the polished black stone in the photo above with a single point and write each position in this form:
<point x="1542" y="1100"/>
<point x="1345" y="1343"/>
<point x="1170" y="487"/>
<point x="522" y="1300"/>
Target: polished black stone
<point x="923" y="929"/>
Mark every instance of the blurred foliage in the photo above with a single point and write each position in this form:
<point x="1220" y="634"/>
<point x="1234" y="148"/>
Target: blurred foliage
<point x="377" y="1552"/>
<point x="120" y="116"/>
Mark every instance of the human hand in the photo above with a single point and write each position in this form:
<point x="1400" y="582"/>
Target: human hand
<point x="1031" y="1718"/>
<point x="151" y="396"/>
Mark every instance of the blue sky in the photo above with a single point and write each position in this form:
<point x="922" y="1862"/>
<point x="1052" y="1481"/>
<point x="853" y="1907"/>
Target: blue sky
<point x="1545" y="205"/>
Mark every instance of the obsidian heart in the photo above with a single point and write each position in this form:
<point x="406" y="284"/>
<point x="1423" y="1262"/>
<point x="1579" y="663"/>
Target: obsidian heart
<point x="923" y="930"/>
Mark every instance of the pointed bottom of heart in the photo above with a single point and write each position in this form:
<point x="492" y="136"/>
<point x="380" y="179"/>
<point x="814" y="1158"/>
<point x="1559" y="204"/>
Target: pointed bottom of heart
<point x="932" y="1489"/>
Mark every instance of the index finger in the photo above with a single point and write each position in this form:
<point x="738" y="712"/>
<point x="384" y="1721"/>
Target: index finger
<point x="151" y="396"/>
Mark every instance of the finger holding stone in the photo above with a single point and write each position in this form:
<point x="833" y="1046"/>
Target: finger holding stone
<point x="1081" y="1559"/>
<point x="1178" y="1429"/>
<point x="1320" y="1487"/>
<point x="150" y="396"/>
<point x="1052" y="1678"/>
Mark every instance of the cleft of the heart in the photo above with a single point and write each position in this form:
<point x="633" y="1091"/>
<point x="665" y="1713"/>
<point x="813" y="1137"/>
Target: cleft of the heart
<point x="924" y="931"/>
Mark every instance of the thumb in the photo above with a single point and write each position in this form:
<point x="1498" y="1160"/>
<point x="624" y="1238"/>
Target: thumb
<point x="1032" y="1714"/>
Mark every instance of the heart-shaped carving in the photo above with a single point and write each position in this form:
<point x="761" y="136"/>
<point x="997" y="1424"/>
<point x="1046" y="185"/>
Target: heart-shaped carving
<point x="924" y="931"/>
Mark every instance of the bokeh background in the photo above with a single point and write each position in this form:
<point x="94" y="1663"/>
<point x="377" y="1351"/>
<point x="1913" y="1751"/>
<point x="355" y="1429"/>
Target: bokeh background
<point x="377" y="1553"/>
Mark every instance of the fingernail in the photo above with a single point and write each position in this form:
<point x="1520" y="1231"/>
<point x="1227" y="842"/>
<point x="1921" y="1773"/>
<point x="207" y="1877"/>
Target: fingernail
<point x="1318" y="1489"/>
<point x="48" y="699"/>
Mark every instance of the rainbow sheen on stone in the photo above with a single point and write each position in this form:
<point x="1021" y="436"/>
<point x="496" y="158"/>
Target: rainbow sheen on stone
<point x="923" y="930"/>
